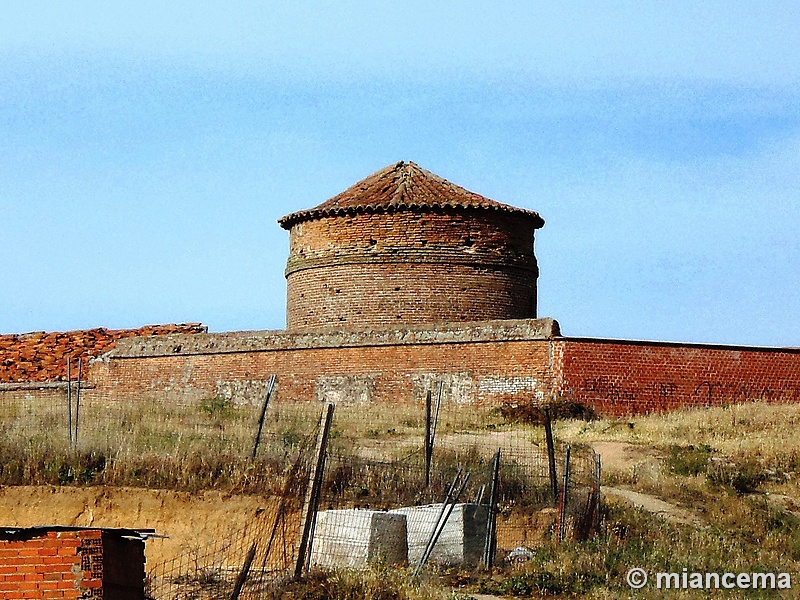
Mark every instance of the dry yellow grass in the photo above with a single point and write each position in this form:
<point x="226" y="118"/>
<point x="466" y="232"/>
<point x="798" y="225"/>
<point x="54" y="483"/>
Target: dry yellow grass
<point x="767" y="430"/>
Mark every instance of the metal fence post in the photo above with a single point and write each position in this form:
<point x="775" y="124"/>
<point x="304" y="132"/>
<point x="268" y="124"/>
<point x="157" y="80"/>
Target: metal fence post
<point x="428" y="448"/>
<point x="551" y="453"/>
<point x="69" y="400"/>
<point x="270" y="386"/>
<point x="491" y="522"/>
<point x="77" y="404"/>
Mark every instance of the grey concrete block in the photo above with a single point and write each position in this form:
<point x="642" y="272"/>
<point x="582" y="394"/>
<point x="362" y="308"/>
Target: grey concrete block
<point x="462" y="540"/>
<point x="355" y="538"/>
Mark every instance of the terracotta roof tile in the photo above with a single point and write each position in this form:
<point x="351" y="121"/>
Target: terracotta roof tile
<point x="402" y="186"/>
<point x="41" y="357"/>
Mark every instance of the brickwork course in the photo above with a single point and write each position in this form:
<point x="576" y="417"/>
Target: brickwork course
<point x="62" y="563"/>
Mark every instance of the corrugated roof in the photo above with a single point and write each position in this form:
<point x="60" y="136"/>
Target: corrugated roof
<point x="42" y="357"/>
<point x="402" y="186"/>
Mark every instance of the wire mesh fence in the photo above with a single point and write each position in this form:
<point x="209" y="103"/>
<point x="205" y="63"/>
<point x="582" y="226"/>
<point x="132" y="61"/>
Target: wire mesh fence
<point x="387" y="471"/>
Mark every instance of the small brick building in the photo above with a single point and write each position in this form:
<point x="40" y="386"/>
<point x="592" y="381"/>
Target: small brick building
<point x="70" y="562"/>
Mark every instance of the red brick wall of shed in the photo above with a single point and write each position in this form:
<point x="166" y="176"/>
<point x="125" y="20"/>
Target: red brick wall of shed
<point x="495" y="370"/>
<point x="617" y="378"/>
<point x="72" y="564"/>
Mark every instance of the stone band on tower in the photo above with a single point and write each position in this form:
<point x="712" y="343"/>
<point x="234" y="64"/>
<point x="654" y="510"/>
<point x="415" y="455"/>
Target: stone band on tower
<point x="404" y="246"/>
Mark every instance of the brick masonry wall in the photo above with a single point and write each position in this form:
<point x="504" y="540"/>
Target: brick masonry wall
<point x="485" y="362"/>
<point x="479" y="363"/>
<point x="54" y="394"/>
<point x="407" y="293"/>
<point x="71" y="564"/>
<point x="411" y="267"/>
<point x="618" y="378"/>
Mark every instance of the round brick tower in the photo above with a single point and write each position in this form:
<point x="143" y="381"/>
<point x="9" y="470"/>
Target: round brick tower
<point x="404" y="246"/>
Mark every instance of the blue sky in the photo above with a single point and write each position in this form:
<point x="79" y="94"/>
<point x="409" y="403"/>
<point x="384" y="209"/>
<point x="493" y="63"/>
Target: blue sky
<point x="146" y="152"/>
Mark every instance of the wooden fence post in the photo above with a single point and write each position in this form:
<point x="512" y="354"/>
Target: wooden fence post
<point x="562" y="509"/>
<point x="551" y="453"/>
<point x="311" y="503"/>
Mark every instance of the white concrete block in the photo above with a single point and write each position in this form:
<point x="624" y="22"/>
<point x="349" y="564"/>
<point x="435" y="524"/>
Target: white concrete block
<point x="354" y="538"/>
<point x="461" y="541"/>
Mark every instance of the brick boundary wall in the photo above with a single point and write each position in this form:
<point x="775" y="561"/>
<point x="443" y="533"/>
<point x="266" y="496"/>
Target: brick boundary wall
<point x="481" y="363"/>
<point x="621" y="377"/>
<point x="42" y="563"/>
<point x="486" y="363"/>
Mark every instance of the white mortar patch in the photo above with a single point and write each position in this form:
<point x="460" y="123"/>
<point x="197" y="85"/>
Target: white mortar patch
<point x="458" y="387"/>
<point x="510" y="385"/>
<point x="345" y="390"/>
<point x="243" y="393"/>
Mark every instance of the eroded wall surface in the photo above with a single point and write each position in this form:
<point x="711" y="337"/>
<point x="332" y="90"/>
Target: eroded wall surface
<point x="478" y="363"/>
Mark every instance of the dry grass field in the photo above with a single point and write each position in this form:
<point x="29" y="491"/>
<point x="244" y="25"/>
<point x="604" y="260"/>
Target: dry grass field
<point x="735" y="471"/>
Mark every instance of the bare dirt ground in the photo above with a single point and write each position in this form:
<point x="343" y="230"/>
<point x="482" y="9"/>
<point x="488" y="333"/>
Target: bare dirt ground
<point x="630" y="460"/>
<point x="627" y="460"/>
<point x="191" y="521"/>
<point x="655" y="505"/>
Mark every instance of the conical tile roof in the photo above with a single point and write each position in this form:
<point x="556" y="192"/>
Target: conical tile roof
<point x="402" y="186"/>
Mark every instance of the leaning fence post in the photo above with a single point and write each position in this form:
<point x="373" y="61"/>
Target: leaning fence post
<point x="311" y="502"/>
<point x="551" y="453"/>
<point x="69" y="400"/>
<point x="447" y="509"/>
<point x="562" y="509"/>
<point x="242" y="578"/>
<point x="428" y="449"/>
<point x="436" y="414"/>
<point x="261" y="418"/>
<point x="491" y="521"/>
<point x="77" y="403"/>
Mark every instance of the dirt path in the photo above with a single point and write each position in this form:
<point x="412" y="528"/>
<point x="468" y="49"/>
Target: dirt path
<point x="657" y="506"/>
<point x="628" y="459"/>
<point x="625" y="459"/>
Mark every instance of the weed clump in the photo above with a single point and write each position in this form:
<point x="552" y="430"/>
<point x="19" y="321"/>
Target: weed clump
<point x="377" y="583"/>
<point x="217" y="408"/>
<point x="744" y="475"/>
<point x="688" y="460"/>
<point x="532" y="411"/>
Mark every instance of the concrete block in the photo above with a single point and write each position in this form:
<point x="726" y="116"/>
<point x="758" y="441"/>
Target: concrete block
<point x="354" y="538"/>
<point x="462" y="540"/>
